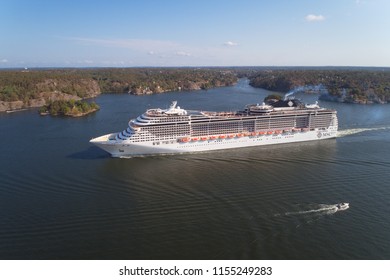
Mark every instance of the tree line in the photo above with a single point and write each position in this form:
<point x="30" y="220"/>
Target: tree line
<point x="23" y="85"/>
<point x="350" y="85"/>
<point x="355" y="86"/>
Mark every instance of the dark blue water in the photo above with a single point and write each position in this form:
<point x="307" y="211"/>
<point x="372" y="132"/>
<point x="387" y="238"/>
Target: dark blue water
<point x="62" y="198"/>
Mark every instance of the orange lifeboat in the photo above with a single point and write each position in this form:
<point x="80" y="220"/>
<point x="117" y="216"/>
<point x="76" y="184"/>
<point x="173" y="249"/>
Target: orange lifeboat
<point x="262" y="132"/>
<point x="231" y="135"/>
<point x="222" y="136"/>
<point x="185" y="139"/>
<point x="270" y="132"/>
<point x="194" y="139"/>
<point x="253" y="133"/>
<point x="213" y="137"/>
<point x="203" y="138"/>
<point x="238" y="135"/>
<point x="278" y="131"/>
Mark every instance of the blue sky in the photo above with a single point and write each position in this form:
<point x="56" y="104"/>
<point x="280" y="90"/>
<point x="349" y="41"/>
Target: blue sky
<point x="116" y="33"/>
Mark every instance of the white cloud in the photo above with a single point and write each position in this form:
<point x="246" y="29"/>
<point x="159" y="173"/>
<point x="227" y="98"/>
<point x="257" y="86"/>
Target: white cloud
<point x="230" y="44"/>
<point x="4" y="60"/>
<point x="181" y="53"/>
<point x="312" y="17"/>
<point x="151" y="53"/>
<point x="362" y="3"/>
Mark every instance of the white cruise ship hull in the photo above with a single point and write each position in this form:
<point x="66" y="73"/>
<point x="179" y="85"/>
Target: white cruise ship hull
<point x="119" y="148"/>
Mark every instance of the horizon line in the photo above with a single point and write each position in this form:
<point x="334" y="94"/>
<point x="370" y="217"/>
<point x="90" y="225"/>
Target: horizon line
<point x="205" y="66"/>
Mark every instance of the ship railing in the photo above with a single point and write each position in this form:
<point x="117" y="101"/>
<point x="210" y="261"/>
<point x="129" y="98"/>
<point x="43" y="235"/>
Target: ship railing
<point x="219" y="114"/>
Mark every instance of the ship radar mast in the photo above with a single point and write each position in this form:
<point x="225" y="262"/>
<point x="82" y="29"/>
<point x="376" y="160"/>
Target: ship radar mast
<point x="173" y="110"/>
<point x="173" y="105"/>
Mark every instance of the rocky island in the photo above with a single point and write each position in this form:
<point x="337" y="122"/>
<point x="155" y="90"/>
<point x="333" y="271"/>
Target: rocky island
<point x="70" y="108"/>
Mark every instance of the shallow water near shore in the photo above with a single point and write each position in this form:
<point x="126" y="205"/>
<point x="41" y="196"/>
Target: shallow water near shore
<point x="63" y="198"/>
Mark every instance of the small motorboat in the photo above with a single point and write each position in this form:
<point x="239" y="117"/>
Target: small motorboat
<point x="342" y="206"/>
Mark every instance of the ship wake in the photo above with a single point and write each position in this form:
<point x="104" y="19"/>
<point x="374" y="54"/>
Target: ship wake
<point x="352" y="131"/>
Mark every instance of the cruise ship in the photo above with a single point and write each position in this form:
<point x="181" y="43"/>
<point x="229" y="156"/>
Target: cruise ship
<point x="176" y="130"/>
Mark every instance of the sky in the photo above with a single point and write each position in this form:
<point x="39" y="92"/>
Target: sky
<point x="136" y="33"/>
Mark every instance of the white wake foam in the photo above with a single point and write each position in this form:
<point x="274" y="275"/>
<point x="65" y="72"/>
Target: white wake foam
<point x="311" y="213"/>
<point x="323" y="209"/>
<point x="315" y="210"/>
<point x="346" y="132"/>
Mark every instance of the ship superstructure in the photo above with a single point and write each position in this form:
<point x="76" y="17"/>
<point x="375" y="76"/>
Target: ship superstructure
<point x="176" y="130"/>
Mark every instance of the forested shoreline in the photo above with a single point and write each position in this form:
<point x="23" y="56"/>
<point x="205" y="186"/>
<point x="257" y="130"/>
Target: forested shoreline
<point x="348" y="86"/>
<point x="37" y="87"/>
<point x="26" y="88"/>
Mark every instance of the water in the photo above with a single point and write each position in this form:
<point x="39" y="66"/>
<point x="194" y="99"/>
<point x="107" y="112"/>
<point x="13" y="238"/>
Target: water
<point x="62" y="198"/>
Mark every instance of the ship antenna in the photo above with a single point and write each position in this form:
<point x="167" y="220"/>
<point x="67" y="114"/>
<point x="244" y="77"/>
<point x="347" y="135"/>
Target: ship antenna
<point x="173" y="105"/>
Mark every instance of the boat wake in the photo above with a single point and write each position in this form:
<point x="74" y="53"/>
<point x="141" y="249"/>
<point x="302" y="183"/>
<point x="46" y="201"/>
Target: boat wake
<point x="352" y="131"/>
<point x="313" y="212"/>
<point x="323" y="209"/>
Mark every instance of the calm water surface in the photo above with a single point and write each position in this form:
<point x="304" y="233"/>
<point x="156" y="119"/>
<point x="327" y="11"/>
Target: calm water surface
<point x="62" y="198"/>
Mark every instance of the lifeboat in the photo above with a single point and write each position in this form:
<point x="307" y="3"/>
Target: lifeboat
<point x="278" y="131"/>
<point x="203" y="138"/>
<point x="222" y="136"/>
<point x="231" y="135"/>
<point x="194" y="139"/>
<point x="253" y="133"/>
<point x="238" y="135"/>
<point x="270" y="132"/>
<point x="262" y="133"/>
<point x="185" y="139"/>
<point x="213" y="137"/>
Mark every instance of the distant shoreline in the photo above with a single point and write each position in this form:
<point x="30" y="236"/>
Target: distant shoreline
<point x="15" y="111"/>
<point x="358" y="87"/>
<point x="23" y="89"/>
<point x="70" y="115"/>
<point x="35" y="88"/>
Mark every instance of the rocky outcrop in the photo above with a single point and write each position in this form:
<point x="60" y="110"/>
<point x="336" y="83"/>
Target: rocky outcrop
<point x="83" y="88"/>
<point x="52" y="90"/>
<point x="185" y="86"/>
<point x="10" y="106"/>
